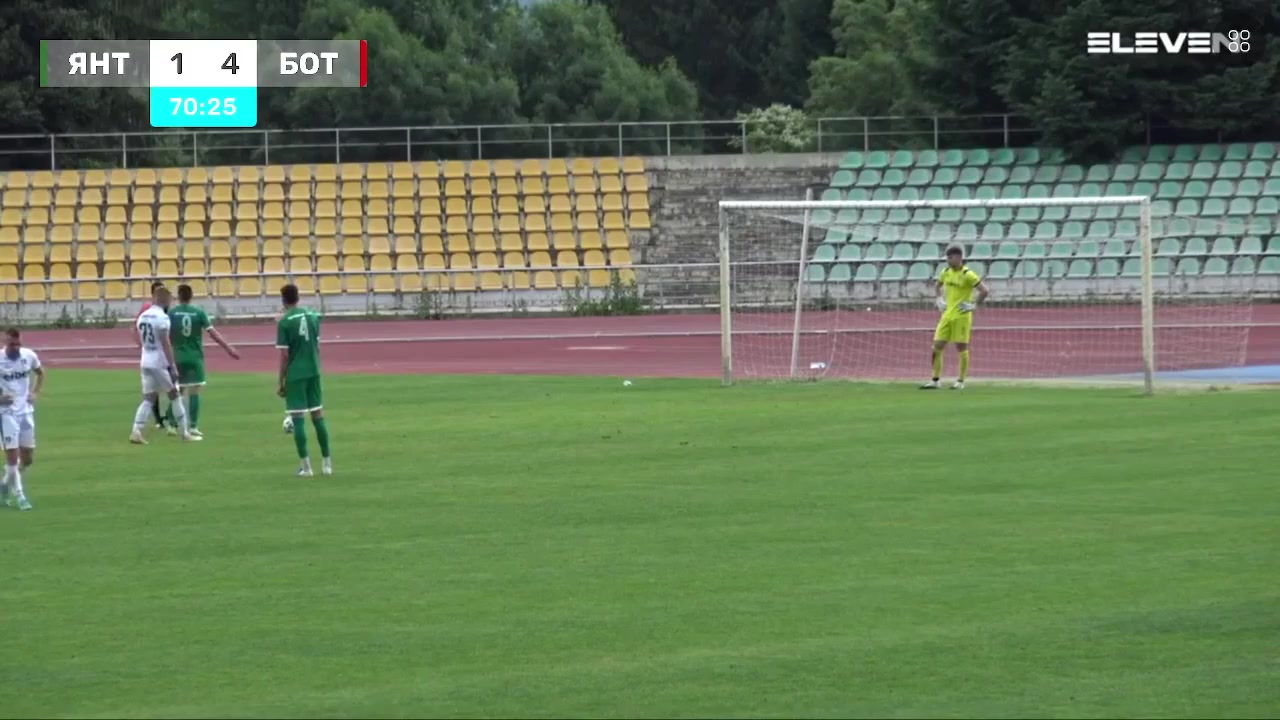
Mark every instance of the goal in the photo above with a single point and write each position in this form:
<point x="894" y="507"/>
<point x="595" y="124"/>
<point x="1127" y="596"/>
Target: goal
<point x="1097" y="289"/>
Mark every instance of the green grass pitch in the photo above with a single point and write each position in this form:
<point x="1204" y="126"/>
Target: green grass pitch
<point x="569" y="547"/>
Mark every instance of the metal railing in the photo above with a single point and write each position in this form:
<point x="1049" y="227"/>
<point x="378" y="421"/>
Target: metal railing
<point x="474" y="142"/>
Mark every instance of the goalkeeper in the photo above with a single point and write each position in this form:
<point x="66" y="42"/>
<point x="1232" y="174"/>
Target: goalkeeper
<point x="956" y="286"/>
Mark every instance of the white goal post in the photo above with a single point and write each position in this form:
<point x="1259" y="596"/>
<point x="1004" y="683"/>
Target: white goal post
<point x="827" y="288"/>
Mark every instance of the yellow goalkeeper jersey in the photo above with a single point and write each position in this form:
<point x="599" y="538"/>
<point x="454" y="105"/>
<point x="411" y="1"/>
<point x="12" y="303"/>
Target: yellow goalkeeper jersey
<point x="958" y="285"/>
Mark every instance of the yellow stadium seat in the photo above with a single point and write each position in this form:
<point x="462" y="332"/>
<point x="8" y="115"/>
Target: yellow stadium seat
<point x="403" y="208"/>
<point x="271" y="249"/>
<point x="273" y="211"/>
<point x="94" y="178"/>
<point x="43" y="179"/>
<point x="113" y="271"/>
<point x="300" y="266"/>
<point x="379" y="244"/>
<point x="597" y="278"/>
<point x="140" y="233"/>
<point x="479" y="169"/>
<point x="513" y="259"/>
<point x="429" y="188"/>
<point x="352" y="226"/>
<point x="247" y="211"/>
<point x="539" y="260"/>
<point x="377" y="208"/>
<point x="561" y="204"/>
<point x="608" y="166"/>
<point x="432" y="243"/>
<point x="508" y="206"/>
<point x="33" y="254"/>
<point x="271" y="229"/>
<point x="87" y="271"/>
<point x="352" y="245"/>
<point x="113" y="252"/>
<point x="535" y="205"/>
<point x="220" y="211"/>
<point x="637" y="184"/>
<point x="325" y="226"/>
<point x="481" y="206"/>
<point x="299" y="227"/>
<point x="198" y="286"/>
<point x="61" y="234"/>
<point x="167" y="268"/>
<point x="168" y="213"/>
<point x="611" y="184"/>
<point x="593" y="258"/>
<point x="482" y="224"/>
<point x="404" y="263"/>
<point x="464" y="281"/>
<point x="509" y="224"/>
<point x="402" y="171"/>
<point x="193" y="266"/>
<point x="300" y="247"/>
<point x="486" y="261"/>
<point x="455" y="169"/>
<point x="357" y="283"/>
<point x="517" y="280"/>
<point x="220" y="266"/>
<point x="64" y="216"/>
<point x="481" y="187"/>
<point x="460" y="261"/>
<point x="193" y="195"/>
<point x="219" y="249"/>
<point x="222" y="287"/>
<point x="351" y="190"/>
<point x="544" y="280"/>
<point x="433" y="262"/>
<point x="141" y="214"/>
<point x="612" y="203"/>
<point x="164" y="251"/>
<point x="566" y="258"/>
<point x="86" y="252"/>
<point x="325" y="173"/>
<point x="590" y="239"/>
<point x="537" y="241"/>
<point x="619" y="257"/>
<point x="88" y="216"/>
<point x="571" y="279"/>
<point x="490" y="281"/>
<point x="60" y="253"/>
<point x="561" y="222"/>
<point x="171" y="176"/>
<point x="613" y="221"/>
<point x="249" y="287"/>
<point x="584" y="184"/>
<point x="457" y="243"/>
<point x="455" y="188"/>
<point x="376" y="189"/>
<point x="37" y="216"/>
<point x="504" y="169"/>
<point x="14" y="198"/>
<point x="456" y="206"/>
<point x="120" y="178"/>
<point x="582" y="166"/>
<point x="639" y="221"/>
<point x="403" y="189"/>
<point x="557" y="167"/>
<point x="325" y="209"/>
<point x="33" y="293"/>
<point x="586" y="203"/>
<point x="405" y="245"/>
<point x="351" y="209"/>
<point x="167" y="231"/>
<point x="248" y="266"/>
<point x="141" y="196"/>
<point x="118" y="196"/>
<point x="615" y="239"/>
<point x="384" y="283"/>
<point x="226" y="176"/>
<point x="378" y="226"/>
<point x="87" y="234"/>
<point x="456" y="225"/>
<point x="139" y="269"/>
<point x="507" y="187"/>
<point x="483" y="242"/>
<point x="220" y="229"/>
<point x="631" y="165"/>
<point x="193" y="249"/>
<point x="300" y="192"/>
<point x="88" y="290"/>
<point x="326" y="246"/>
<point x="535" y="223"/>
<point x="564" y="241"/>
<point x="244" y="194"/>
<point x="403" y="226"/>
<point x="66" y="197"/>
<point x="351" y="172"/>
<point x="273" y="266"/>
<point x="190" y="213"/>
<point x="530" y="168"/>
<point x="272" y="192"/>
<point x="327" y="264"/>
<point x="300" y="174"/>
<point x="326" y="190"/>
<point x="376" y="171"/>
<point x="558" y="185"/>
<point x="330" y="284"/>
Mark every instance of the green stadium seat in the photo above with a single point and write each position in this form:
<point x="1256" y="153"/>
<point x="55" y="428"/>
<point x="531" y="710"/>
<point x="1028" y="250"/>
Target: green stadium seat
<point x="901" y="159"/>
<point x="950" y="214"/>
<point x="1187" y="208"/>
<point x="857" y="194"/>
<point x="1263" y="151"/>
<point x="1090" y="189"/>
<point x="1038" y="192"/>
<point x="876" y="252"/>
<point x="1142" y="188"/>
<point x="1061" y="249"/>
<point x="1230" y="170"/>
<point x="1053" y="270"/>
<point x="1214" y="207"/>
<point x="1259" y="226"/>
<point x="1046" y="231"/>
<point x="926" y="159"/>
<point x="841" y="274"/>
<point x="1216" y="266"/>
<point x="825" y="253"/>
<point x="1267" y="206"/>
<point x="1124" y="172"/>
<point x="978" y="158"/>
<point x="993" y="231"/>
<point x="1080" y="212"/>
<point x="1098" y="174"/>
<point x="1065" y="190"/>
<point x="1195" y="189"/>
<point x="1072" y="174"/>
<point x="914" y="233"/>
<point x="986" y="192"/>
<point x="975" y="215"/>
<point x="865" y="273"/>
<point x="847" y="216"/>
<point x="924" y="215"/>
<point x="1169" y="247"/>
<point x="837" y="236"/>
<point x="1250" y="245"/>
<point x="893" y="272"/>
<point x="1160" y="153"/>
<point x="831" y="195"/>
<point x="1115" y="249"/>
<point x="877" y="159"/>
<point x="1196" y="246"/>
<point x="1269" y="266"/>
<point x="936" y="193"/>
<point x="1243" y="266"/>
<point x="929" y="251"/>
<point x="952" y="158"/>
<point x="1027" y="214"/>
<point x="1021" y="175"/>
<point x="1204" y="171"/>
<point x="1169" y="190"/>
<point x="1255" y="169"/>
<point x="1161" y="208"/>
<point x="1223" y="246"/>
<point x="1153" y="171"/>
<point x="979" y="267"/>
<point x="873" y="216"/>
<point x="1133" y="154"/>
<point x="945" y="176"/>
<point x="920" y="177"/>
<point x="1047" y="174"/>
<point x="1035" y="250"/>
<point x="1188" y="266"/>
<point x="1108" y="268"/>
<point x="967" y="231"/>
<point x="1176" y="171"/>
<point x="1018" y="231"/>
<point x="1007" y="251"/>
<point x="1012" y="192"/>
<point x="1000" y="270"/>
<point x="1240" y="206"/>
<point x="899" y="216"/>
<point x="1248" y="187"/>
<point x="969" y="176"/>
<point x="852" y="160"/>
<point x="981" y="251"/>
<point x="1184" y="153"/>
<point x="882" y="194"/>
<point x="1003" y="156"/>
<point x="1132" y="268"/>
<point x="1126" y="229"/>
<point x="1236" y="151"/>
<point x="850" y="253"/>
<point x="920" y="271"/>
<point x="842" y="179"/>
<point x="1072" y="230"/>
<point x="1116" y="189"/>
<point x="1080" y="269"/>
<point x="1222" y="188"/>
<point x="815" y="273"/>
<point x="1027" y="269"/>
<point x="888" y="234"/>
<point x="869" y="178"/>
<point x="1212" y="153"/>
<point x="995" y="175"/>
<point x="1175" y="226"/>
<point x="1029" y="156"/>
<point x="893" y="177"/>
<point x="902" y="252"/>
<point x="1106" y="212"/>
<point x="822" y="217"/>
<point x="1001" y="215"/>
<point x="1099" y="230"/>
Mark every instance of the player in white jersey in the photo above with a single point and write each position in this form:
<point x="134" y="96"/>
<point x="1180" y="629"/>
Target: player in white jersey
<point x="159" y="372"/>
<point x="17" y="415"/>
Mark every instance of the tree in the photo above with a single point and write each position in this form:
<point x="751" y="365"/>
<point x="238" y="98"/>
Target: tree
<point x="805" y="36"/>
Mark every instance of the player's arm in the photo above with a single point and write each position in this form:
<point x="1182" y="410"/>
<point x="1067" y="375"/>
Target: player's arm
<point x="282" y="344"/>
<point x="167" y="345"/>
<point x="938" y="299"/>
<point x="34" y="393"/>
<point x="226" y="346"/>
<point x="983" y="291"/>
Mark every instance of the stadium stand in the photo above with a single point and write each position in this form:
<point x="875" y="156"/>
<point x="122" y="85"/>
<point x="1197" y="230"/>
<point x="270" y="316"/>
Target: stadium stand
<point x="1215" y="209"/>
<point x="353" y="228"/>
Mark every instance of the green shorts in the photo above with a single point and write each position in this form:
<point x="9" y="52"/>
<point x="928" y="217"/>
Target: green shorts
<point x="191" y="373"/>
<point x="303" y="395"/>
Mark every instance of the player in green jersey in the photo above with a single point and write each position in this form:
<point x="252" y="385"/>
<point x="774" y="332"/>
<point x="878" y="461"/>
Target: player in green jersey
<point x="298" y="339"/>
<point x="187" y="326"/>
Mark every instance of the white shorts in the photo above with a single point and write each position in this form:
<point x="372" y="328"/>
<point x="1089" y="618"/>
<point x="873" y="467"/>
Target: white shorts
<point x="156" y="381"/>
<point x="18" y="431"/>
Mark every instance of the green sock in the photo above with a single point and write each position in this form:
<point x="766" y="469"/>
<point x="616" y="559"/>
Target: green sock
<point x="300" y="436"/>
<point x="322" y="435"/>
<point x="193" y="411"/>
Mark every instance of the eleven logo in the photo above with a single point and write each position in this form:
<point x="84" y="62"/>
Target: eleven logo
<point x="1151" y="43"/>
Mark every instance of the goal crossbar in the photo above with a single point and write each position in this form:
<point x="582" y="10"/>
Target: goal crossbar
<point x="1146" y="250"/>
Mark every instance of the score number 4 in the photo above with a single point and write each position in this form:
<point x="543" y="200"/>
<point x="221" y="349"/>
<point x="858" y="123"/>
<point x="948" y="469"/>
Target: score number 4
<point x="228" y="64"/>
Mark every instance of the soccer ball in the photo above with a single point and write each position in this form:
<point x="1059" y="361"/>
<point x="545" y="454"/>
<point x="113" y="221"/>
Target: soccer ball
<point x="288" y="423"/>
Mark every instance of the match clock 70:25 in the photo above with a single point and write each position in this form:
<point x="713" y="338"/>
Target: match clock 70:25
<point x="204" y="107"/>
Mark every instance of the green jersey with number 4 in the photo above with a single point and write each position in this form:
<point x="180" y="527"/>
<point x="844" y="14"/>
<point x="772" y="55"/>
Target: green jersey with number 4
<point x="299" y="333"/>
<point x="187" y="324"/>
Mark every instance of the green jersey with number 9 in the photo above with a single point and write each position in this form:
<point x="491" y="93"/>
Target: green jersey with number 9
<point x="299" y="333"/>
<point x="187" y="324"/>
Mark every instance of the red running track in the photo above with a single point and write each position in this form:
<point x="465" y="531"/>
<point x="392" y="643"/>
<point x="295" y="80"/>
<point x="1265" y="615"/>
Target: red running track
<point x="878" y="344"/>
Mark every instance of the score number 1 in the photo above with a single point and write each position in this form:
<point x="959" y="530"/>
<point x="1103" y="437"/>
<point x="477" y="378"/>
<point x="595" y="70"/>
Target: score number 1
<point x="228" y="64"/>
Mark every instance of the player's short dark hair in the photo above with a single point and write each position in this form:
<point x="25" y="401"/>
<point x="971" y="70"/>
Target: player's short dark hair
<point x="184" y="293"/>
<point x="13" y="333"/>
<point x="289" y="294"/>
<point x="955" y="250"/>
<point x="156" y="285"/>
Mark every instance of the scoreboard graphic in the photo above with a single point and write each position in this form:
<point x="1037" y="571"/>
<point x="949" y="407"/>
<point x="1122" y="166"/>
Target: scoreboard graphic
<point x="204" y="83"/>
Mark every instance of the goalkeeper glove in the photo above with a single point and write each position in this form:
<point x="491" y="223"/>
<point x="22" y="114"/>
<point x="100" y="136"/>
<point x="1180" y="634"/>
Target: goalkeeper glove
<point x="941" y="303"/>
<point x="966" y="307"/>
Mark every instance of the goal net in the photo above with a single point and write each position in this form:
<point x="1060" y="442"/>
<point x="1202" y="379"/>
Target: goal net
<point x="1100" y="289"/>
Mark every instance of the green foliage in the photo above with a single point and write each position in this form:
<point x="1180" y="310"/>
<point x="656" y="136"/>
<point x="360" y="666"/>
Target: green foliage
<point x="777" y="128"/>
<point x="620" y="298"/>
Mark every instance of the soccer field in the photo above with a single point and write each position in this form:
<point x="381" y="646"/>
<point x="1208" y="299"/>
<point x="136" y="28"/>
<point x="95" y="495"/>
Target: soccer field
<point x="538" y="546"/>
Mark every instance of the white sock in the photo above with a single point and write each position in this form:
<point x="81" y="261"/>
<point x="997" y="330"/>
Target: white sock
<point x="15" y="479"/>
<point x="143" y="416"/>
<point x="180" y="414"/>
